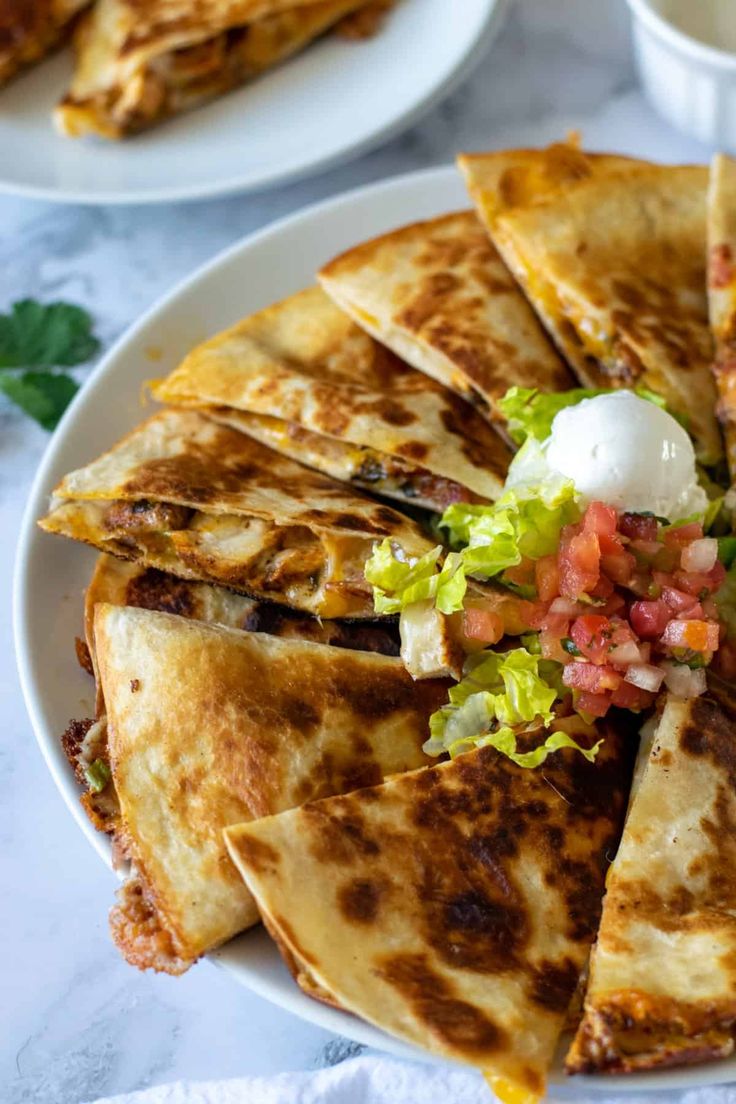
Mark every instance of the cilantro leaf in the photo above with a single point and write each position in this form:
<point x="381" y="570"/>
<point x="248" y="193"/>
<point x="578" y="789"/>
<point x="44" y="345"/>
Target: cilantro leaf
<point x="42" y="395"/>
<point x="37" y="335"/>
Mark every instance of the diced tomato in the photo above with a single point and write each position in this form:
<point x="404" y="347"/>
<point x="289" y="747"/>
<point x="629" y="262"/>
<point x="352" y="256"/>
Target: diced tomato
<point x="693" y="612"/>
<point x="645" y="551"/>
<point x="587" y="676"/>
<point x="618" y="566"/>
<point x="558" y="623"/>
<point x="547" y="575"/>
<point x="615" y="604"/>
<point x="676" y="600"/>
<point x="699" y="636"/>
<point x="627" y="696"/>
<point x="600" y="519"/>
<point x="579" y="564"/>
<point x="592" y="636"/>
<point x="666" y="559"/>
<point x="596" y="705"/>
<point x="483" y="624"/>
<point x="522" y="574"/>
<point x="680" y="535"/>
<point x="519" y="615"/>
<point x="603" y="588"/>
<point x="638" y="526"/>
<point x="695" y="583"/>
<point x="649" y="619"/>
<point x="717" y="574"/>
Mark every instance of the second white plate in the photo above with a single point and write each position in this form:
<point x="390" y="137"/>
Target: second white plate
<point x="330" y="103"/>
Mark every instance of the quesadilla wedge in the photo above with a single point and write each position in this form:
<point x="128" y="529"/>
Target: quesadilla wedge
<point x="439" y="295"/>
<point x="122" y="583"/>
<point x="209" y="726"/>
<point x="453" y="906"/>
<point x="30" y="29"/>
<point x="662" y="984"/>
<point x="138" y="64"/>
<point x="186" y="495"/>
<point x="304" y="379"/>
<point x="611" y="253"/>
<point x="722" y="294"/>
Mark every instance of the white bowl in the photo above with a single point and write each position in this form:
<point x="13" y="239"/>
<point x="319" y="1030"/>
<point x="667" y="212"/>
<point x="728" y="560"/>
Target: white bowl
<point x="691" y="84"/>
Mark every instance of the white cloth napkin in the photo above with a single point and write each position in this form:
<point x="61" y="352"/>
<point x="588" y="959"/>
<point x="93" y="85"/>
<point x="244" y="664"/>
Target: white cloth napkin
<point x="371" y="1080"/>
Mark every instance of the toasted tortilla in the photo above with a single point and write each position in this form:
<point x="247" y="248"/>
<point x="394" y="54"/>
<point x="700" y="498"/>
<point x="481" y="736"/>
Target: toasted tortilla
<point x="137" y="64"/>
<point x="611" y="252"/>
<point x="304" y="379"/>
<point x="204" y="502"/>
<point x="662" y="985"/>
<point x="31" y="29"/>
<point x="209" y="726"/>
<point x="722" y="294"/>
<point x="453" y="907"/>
<point x="439" y="295"/>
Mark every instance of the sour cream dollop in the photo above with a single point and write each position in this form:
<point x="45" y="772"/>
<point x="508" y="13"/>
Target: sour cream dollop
<point x="626" y="452"/>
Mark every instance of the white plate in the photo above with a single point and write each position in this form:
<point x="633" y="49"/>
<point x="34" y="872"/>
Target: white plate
<point x="51" y="573"/>
<point x="330" y="103"/>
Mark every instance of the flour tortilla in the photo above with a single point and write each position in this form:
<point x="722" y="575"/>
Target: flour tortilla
<point x="303" y="378"/>
<point x="209" y="726"/>
<point x="662" y="985"/>
<point x="141" y="61"/>
<point x="722" y="294"/>
<point x="439" y="295"/>
<point x="611" y="252"/>
<point x="204" y="502"/>
<point x="452" y="907"/>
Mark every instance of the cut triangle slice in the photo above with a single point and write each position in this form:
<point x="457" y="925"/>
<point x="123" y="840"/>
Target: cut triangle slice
<point x="662" y="985"/>
<point x="611" y="252"/>
<point x="439" y="295"/>
<point x="453" y="907"/>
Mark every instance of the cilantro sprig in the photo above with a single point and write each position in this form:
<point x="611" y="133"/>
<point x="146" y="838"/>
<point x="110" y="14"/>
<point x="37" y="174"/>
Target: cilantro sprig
<point x="37" y="340"/>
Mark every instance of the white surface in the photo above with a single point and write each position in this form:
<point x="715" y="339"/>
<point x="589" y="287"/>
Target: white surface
<point x="75" y="1022"/>
<point x="331" y="102"/>
<point x="692" y="84"/>
<point x="357" y="1081"/>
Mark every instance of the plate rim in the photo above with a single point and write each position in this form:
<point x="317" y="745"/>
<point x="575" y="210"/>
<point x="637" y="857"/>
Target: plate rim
<point x="464" y="66"/>
<point x="312" y="1012"/>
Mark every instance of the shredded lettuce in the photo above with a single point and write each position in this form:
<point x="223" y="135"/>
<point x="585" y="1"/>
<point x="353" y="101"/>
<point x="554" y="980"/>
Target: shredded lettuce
<point x="399" y="580"/>
<point x="501" y="695"/>
<point x="530" y="413"/>
<point x="727" y="550"/>
<point x="525" y="522"/>
<point x="97" y="775"/>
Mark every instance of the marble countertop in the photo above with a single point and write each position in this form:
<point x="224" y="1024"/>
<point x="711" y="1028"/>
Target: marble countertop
<point x="76" y="1023"/>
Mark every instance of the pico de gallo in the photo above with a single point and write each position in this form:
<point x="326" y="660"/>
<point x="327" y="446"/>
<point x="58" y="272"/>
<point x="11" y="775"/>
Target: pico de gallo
<point x="548" y="604"/>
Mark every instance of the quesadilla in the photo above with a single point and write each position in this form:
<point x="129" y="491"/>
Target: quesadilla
<point x="30" y="29"/>
<point x="453" y="907"/>
<point x="209" y="726"/>
<point x="186" y="495"/>
<point x="662" y="985"/>
<point x="611" y="252"/>
<point x="722" y="294"/>
<point x="439" y="295"/>
<point x="138" y="64"/>
<point x="302" y="378"/>
<point x="121" y="583"/>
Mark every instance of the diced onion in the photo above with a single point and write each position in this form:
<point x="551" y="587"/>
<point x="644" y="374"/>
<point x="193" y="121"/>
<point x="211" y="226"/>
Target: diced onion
<point x="684" y="682"/>
<point x="645" y="676"/>
<point x="700" y="555"/>
<point x="624" y="654"/>
<point x="566" y="606"/>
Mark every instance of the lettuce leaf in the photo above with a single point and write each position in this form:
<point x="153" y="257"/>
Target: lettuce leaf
<point x="399" y="580"/>
<point x="525" y="522"/>
<point x="529" y="413"/>
<point x="502" y="695"/>
<point x="725" y="599"/>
